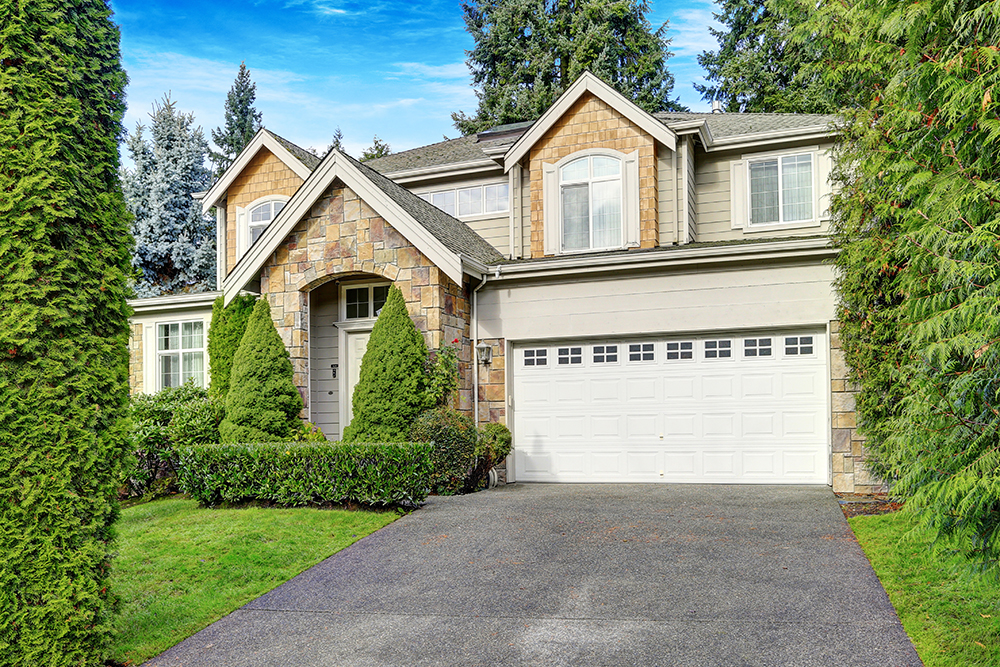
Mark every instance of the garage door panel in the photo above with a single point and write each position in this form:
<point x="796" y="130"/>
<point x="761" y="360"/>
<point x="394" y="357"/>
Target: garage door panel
<point x="745" y="418"/>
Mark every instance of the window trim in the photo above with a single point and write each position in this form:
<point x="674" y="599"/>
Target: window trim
<point x="426" y="195"/>
<point x="342" y="297"/>
<point x="534" y="352"/>
<point x="243" y="220"/>
<point x="739" y="200"/>
<point x="814" y="199"/>
<point x="552" y="201"/>
<point x="158" y="353"/>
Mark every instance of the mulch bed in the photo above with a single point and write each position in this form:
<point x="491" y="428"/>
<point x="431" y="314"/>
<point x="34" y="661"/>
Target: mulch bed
<point x="852" y="505"/>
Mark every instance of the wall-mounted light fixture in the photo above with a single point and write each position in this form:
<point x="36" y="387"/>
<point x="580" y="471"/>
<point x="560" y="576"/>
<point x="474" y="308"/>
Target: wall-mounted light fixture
<point x="484" y="353"/>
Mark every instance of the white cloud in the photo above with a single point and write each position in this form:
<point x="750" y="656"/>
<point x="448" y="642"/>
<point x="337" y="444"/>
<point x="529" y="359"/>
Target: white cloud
<point x="689" y="30"/>
<point x="452" y="71"/>
<point x="320" y="7"/>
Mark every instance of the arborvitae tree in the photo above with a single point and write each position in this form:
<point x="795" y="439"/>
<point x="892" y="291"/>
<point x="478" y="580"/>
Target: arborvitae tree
<point x="64" y="262"/>
<point x="242" y="122"/>
<point x="174" y="241"/>
<point x="758" y="67"/>
<point x="378" y="149"/>
<point x="529" y="51"/>
<point x="263" y="403"/>
<point x="920" y="169"/>
<point x="392" y="388"/>
<point x="229" y="323"/>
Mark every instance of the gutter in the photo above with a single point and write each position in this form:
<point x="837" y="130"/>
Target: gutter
<point x="451" y="169"/>
<point x="154" y="304"/>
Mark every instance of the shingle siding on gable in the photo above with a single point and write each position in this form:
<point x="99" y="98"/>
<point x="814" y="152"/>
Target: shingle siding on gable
<point x="592" y="123"/>
<point x="265" y="175"/>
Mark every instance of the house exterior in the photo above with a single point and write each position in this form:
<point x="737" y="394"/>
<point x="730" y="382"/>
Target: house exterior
<point x="639" y="297"/>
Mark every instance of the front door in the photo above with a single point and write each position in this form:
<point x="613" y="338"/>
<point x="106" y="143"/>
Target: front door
<point x="357" y="343"/>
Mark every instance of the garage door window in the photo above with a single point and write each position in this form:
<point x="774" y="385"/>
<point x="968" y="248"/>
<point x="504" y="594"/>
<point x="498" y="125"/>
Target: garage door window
<point x="640" y="352"/>
<point x="798" y="345"/>
<point x="718" y="349"/>
<point x="570" y="355"/>
<point x="605" y="354"/>
<point x="536" y="357"/>
<point x="757" y="347"/>
<point x="680" y="351"/>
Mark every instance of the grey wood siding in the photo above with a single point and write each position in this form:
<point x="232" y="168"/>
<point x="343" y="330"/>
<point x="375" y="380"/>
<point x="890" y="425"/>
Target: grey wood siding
<point x="324" y="406"/>
<point x="666" y="196"/>
<point x="495" y="230"/>
<point x="756" y="296"/>
<point x="692" y="209"/>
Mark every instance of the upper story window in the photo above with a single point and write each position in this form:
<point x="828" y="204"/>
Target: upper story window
<point x="781" y="189"/>
<point x="261" y="216"/>
<point x="254" y="219"/>
<point x="363" y="301"/>
<point x="180" y="353"/>
<point x="470" y="202"/>
<point x="590" y="192"/>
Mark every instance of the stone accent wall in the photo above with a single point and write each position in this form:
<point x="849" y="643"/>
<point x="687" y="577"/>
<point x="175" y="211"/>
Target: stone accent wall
<point x="850" y="475"/>
<point x="135" y="382"/>
<point x="265" y="175"/>
<point x="492" y="385"/>
<point x="342" y="237"/>
<point x="592" y="123"/>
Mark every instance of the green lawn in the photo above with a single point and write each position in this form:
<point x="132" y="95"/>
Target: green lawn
<point x="181" y="567"/>
<point x="952" y="615"/>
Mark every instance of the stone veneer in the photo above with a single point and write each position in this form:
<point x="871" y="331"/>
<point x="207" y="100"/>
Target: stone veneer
<point x="493" y="393"/>
<point x="342" y="237"/>
<point x="592" y="123"/>
<point x="135" y="382"/>
<point x="850" y="474"/>
<point x="265" y="175"/>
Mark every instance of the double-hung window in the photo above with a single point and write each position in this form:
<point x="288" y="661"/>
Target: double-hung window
<point x="180" y="353"/>
<point x="781" y="190"/>
<point x="590" y="193"/>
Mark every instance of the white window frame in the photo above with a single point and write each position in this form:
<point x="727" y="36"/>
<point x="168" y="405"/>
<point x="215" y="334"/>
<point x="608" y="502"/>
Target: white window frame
<point x="549" y="359"/>
<point x="680" y="351"/>
<point x="372" y="315"/>
<point x="627" y="350"/>
<point x="243" y="222"/>
<point x="552" y="201"/>
<point x="740" y="209"/>
<point x="592" y="353"/>
<point x="179" y="352"/>
<point x="428" y="196"/>
<point x="733" y="349"/>
<point x="798" y="346"/>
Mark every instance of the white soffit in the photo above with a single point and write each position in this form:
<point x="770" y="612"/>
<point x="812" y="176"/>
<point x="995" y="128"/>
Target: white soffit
<point x="588" y="83"/>
<point x="263" y="139"/>
<point x="335" y="166"/>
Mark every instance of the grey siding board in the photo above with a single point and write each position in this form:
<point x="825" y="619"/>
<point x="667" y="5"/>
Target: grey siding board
<point x="751" y="297"/>
<point x="692" y="212"/>
<point x="324" y="408"/>
<point x="496" y="231"/>
<point x="667" y="200"/>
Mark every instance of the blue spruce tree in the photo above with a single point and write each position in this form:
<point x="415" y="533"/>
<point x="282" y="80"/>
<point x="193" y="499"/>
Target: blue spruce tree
<point x="174" y="241"/>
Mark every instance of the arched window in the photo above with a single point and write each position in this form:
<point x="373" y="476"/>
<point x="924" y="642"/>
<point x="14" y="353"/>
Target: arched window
<point x="590" y="193"/>
<point x="260" y="217"/>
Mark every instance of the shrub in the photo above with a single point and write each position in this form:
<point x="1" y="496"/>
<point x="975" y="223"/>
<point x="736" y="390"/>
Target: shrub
<point x="160" y="422"/>
<point x="454" y="438"/>
<point x="229" y="323"/>
<point x="263" y="403"/>
<point x="307" y="473"/>
<point x="392" y="387"/>
<point x="493" y="446"/>
<point x="442" y="376"/>
<point x="64" y="267"/>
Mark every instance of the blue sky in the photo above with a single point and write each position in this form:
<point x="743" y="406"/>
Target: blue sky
<point x="396" y="69"/>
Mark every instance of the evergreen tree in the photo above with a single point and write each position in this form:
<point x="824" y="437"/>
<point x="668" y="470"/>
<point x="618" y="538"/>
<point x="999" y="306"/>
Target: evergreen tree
<point x="528" y="52"/>
<point x="64" y="262"/>
<point x="338" y="143"/>
<point x="392" y="388"/>
<point x="229" y="323"/>
<point x="378" y="149"/>
<point x="263" y="403"/>
<point x="242" y="122"/>
<point x="758" y="67"/>
<point x="918" y="215"/>
<point x="174" y="241"/>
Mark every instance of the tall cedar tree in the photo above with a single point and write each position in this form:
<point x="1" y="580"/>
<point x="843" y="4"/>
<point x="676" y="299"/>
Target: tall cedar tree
<point x="918" y="217"/>
<point x="229" y="323"/>
<point x="174" y="240"/>
<point x="263" y="403"/>
<point x="64" y="264"/>
<point x="242" y="122"/>
<point x="392" y="388"/>
<point x="758" y="67"/>
<point x="528" y="52"/>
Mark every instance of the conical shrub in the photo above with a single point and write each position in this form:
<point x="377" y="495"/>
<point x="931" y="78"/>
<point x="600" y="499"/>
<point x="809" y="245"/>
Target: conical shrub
<point x="263" y="403"/>
<point x="392" y="387"/>
<point x="229" y="323"/>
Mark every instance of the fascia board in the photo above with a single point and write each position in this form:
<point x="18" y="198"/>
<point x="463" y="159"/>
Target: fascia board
<point x="768" y="138"/>
<point x="588" y="83"/>
<point x="818" y="248"/>
<point x="303" y="199"/>
<point x="262" y="139"/>
<point x="445" y="170"/>
<point x="173" y="302"/>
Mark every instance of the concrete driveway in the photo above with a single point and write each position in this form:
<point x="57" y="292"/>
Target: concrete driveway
<point x="581" y="575"/>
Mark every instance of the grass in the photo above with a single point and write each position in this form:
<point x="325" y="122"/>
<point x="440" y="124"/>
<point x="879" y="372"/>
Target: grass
<point x="951" y="614"/>
<point x="181" y="567"/>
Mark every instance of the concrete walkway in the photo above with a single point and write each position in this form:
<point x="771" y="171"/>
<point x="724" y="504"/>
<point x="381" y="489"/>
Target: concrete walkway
<point x="581" y="575"/>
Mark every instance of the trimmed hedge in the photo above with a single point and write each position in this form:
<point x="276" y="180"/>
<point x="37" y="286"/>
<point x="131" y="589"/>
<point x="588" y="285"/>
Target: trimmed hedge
<point x="294" y="474"/>
<point x="454" y="436"/>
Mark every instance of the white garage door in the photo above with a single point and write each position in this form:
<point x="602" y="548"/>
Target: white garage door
<point x="725" y="409"/>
